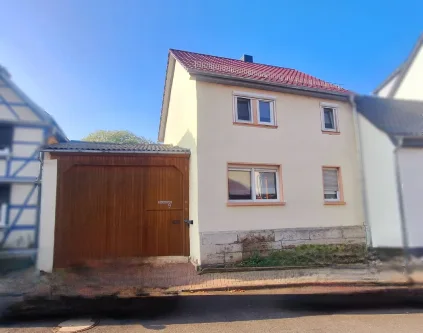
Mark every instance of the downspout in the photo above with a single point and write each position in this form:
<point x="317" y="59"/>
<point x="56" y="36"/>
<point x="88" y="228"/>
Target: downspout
<point x="359" y="150"/>
<point x="404" y="235"/>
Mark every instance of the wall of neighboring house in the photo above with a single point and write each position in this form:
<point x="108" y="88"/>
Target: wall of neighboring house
<point x="381" y="187"/>
<point x="384" y="92"/>
<point x="411" y="86"/>
<point x="181" y="130"/>
<point x="19" y="169"/>
<point x="301" y="148"/>
<point x="410" y="161"/>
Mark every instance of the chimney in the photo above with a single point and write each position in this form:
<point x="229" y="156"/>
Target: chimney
<point x="247" y="58"/>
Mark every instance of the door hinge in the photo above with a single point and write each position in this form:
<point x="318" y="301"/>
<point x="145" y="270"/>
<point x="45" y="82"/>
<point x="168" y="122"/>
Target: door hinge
<point x="189" y="222"/>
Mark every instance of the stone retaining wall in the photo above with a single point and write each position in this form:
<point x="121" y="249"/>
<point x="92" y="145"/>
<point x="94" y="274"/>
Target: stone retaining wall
<point x="220" y="248"/>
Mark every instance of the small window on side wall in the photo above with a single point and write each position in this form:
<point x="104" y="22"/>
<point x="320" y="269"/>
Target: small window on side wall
<point x="329" y="119"/>
<point x="4" y="201"/>
<point x="6" y="138"/>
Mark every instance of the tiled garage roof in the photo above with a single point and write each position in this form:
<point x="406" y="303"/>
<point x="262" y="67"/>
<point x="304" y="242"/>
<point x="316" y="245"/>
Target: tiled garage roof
<point x="81" y="146"/>
<point x="209" y="64"/>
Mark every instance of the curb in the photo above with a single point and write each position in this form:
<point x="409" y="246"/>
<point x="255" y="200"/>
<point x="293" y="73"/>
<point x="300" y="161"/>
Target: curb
<point x="310" y="284"/>
<point x="212" y="270"/>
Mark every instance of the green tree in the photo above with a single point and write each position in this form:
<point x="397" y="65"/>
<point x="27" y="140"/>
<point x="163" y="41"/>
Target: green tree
<point x="115" y="137"/>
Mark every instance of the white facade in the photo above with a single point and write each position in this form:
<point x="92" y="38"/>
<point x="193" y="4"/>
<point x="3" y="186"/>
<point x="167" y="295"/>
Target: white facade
<point x="380" y="184"/>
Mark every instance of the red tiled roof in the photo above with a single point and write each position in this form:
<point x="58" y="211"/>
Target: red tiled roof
<point x="252" y="71"/>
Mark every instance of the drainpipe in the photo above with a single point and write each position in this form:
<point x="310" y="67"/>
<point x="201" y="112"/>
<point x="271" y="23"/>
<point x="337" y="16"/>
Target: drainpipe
<point x="359" y="150"/>
<point x="403" y="222"/>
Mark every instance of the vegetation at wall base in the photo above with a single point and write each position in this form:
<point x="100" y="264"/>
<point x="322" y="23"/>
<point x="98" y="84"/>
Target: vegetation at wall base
<point x="309" y="255"/>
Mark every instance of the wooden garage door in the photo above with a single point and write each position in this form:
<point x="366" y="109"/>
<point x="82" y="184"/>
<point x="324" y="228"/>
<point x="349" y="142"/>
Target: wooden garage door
<point x="109" y="211"/>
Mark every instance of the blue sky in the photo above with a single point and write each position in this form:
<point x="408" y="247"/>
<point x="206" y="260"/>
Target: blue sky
<point x="100" y="64"/>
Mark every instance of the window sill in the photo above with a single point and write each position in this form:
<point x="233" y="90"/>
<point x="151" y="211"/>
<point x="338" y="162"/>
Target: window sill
<point x="331" y="132"/>
<point x="255" y="125"/>
<point x="335" y="203"/>
<point x="234" y="204"/>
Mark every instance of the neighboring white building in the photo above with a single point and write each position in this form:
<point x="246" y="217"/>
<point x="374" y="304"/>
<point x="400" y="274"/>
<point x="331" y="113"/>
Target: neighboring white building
<point x="406" y="82"/>
<point x="391" y="135"/>
<point x="24" y="127"/>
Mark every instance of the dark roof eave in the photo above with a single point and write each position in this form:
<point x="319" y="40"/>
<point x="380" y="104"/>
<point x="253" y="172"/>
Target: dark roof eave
<point x="227" y="79"/>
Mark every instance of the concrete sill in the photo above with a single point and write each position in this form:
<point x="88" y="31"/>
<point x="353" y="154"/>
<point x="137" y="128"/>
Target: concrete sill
<point x="335" y="203"/>
<point x="255" y="125"/>
<point x="243" y="204"/>
<point x="331" y="132"/>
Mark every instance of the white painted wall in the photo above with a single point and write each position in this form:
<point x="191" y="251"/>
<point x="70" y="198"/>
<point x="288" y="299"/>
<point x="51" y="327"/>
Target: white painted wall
<point x="382" y="197"/>
<point x="298" y="144"/>
<point x="48" y="216"/>
<point x="384" y="92"/>
<point x="411" y="162"/>
<point x="412" y="85"/>
<point x="181" y="130"/>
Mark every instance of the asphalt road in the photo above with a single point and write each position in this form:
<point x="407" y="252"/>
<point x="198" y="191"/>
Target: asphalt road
<point x="253" y="313"/>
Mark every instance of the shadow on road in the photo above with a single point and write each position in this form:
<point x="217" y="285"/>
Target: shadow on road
<point x="161" y="311"/>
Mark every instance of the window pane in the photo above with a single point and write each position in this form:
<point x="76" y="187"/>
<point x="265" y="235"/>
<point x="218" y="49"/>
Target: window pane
<point x="239" y="184"/>
<point x="6" y="136"/>
<point x="266" y="185"/>
<point x="243" y="109"/>
<point x="331" y="195"/>
<point x="265" y="116"/>
<point x="4" y="193"/>
<point x="329" y="118"/>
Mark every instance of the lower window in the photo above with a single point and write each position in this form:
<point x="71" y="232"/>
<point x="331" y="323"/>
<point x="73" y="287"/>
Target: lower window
<point x="331" y="184"/>
<point x="4" y="201"/>
<point x="253" y="184"/>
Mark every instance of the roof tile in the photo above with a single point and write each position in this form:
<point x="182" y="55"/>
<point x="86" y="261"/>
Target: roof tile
<point x="81" y="146"/>
<point x="246" y="70"/>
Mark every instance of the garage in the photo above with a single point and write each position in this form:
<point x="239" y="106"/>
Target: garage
<point x="117" y="201"/>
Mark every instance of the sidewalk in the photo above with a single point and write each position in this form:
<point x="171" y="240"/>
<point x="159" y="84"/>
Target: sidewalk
<point x="125" y="279"/>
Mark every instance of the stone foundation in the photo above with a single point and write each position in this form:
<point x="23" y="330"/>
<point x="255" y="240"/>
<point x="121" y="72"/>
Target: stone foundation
<point x="220" y="248"/>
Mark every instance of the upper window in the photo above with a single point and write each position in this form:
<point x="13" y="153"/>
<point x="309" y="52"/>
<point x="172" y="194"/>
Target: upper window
<point x="6" y="138"/>
<point x="243" y="110"/>
<point x="254" y="184"/>
<point x="4" y="201"/>
<point x="332" y="189"/>
<point x="254" y="110"/>
<point x="265" y="112"/>
<point x="329" y="119"/>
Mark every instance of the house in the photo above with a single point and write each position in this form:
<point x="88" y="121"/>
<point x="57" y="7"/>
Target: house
<point x="24" y="127"/>
<point x="406" y="81"/>
<point x="273" y="156"/>
<point x="391" y="135"/>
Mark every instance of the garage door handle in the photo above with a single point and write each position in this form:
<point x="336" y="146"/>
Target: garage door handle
<point x="176" y="222"/>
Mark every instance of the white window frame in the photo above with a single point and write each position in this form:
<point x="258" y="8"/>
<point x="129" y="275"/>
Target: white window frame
<point x="236" y="110"/>
<point x="252" y="171"/>
<point x="272" y="112"/>
<point x="338" y="195"/>
<point x="255" y="98"/>
<point x="334" y="108"/>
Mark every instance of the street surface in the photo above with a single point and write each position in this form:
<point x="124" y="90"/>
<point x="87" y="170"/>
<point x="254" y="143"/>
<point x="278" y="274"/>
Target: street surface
<point x="256" y="313"/>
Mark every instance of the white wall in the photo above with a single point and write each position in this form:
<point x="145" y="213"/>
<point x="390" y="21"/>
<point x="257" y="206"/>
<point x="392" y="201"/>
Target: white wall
<point x="181" y="130"/>
<point x="48" y="216"/>
<point x="411" y="162"/>
<point x="412" y="85"/>
<point x="298" y="144"/>
<point x="384" y="92"/>
<point x="382" y="198"/>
